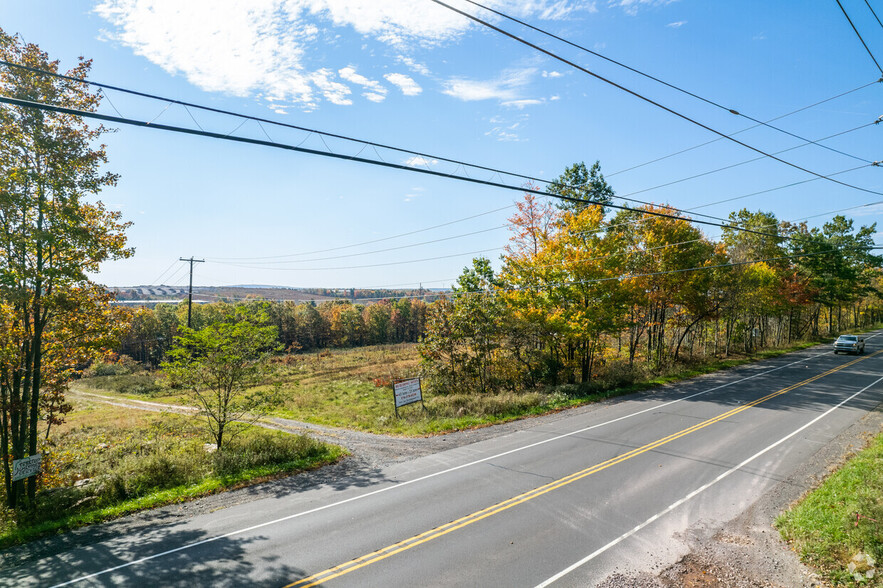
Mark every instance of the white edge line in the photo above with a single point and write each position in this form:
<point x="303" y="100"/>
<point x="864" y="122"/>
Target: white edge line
<point x="699" y="490"/>
<point x="414" y="481"/>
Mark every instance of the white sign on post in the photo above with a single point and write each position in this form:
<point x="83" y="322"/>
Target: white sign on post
<point x="407" y="392"/>
<point x="25" y="468"/>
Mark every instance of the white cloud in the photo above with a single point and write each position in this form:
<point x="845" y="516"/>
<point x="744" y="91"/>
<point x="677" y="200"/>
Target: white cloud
<point x="506" y="88"/>
<point x="405" y="83"/>
<point x="414" y="65"/>
<point x="552" y="74"/>
<point x="334" y="92"/>
<point x="867" y="210"/>
<point x="632" y="6"/>
<point x="545" y="9"/>
<point x="420" y="161"/>
<point x="375" y="92"/>
<point x="501" y="134"/>
<point x="676" y="25"/>
<point x="264" y="47"/>
<point x="505" y="130"/>
<point x="520" y="104"/>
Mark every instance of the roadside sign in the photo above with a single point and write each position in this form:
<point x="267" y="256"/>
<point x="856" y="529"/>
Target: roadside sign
<point x="25" y="468"/>
<point x="407" y="392"/>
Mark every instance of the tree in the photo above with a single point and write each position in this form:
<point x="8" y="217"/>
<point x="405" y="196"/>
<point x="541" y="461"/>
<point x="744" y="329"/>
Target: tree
<point x="583" y="184"/>
<point x="51" y="237"/>
<point x="222" y="365"/>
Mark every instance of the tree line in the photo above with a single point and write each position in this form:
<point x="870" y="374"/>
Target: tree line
<point x="582" y="293"/>
<point x="300" y="326"/>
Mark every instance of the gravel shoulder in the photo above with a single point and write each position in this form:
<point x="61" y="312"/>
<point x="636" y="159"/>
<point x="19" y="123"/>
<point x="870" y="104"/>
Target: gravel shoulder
<point x="746" y="552"/>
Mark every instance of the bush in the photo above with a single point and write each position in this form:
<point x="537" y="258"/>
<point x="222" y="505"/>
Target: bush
<point x="479" y="405"/>
<point x="143" y="384"/>
<point x="157" y="467"/>
<point x="264" y="448"/>
<point x="121" y="367"/>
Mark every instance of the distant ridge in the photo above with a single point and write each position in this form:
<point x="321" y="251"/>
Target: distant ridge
<point x="156" y="294"/>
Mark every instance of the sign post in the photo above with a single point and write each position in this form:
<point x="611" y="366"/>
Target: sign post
<point x="26" y="467"/>
<point x="407" y="392"/>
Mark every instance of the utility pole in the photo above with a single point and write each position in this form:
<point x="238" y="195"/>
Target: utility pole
<point x="190" y="292"/>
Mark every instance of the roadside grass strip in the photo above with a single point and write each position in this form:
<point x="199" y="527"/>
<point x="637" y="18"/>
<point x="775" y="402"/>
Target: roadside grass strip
<point x="838" y="525"/>
<point x="467" y="520"/>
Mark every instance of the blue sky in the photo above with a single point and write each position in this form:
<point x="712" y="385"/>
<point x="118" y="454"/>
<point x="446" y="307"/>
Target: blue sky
<point x="411" y="74"/>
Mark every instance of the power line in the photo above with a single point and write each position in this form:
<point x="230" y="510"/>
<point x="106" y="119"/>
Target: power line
<point x="459" y="220"/>
<point x="715" y="140"/>
<point x="310" y="269"/>
<point x="159" y="277"/>
<point x="858" y="34"/>
<point x="655" y="79"/>
<point x="648" y="100"/>
<point x="733" y="165"/>
<point x="375" y="145"/>
<point x="260" y="120"/>
<point x="497" y="228"/>
<point x="868" y="4"/>
<point x="401" y="167"/>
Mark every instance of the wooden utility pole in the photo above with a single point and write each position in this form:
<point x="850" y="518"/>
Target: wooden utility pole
<point x="190" y="291"/>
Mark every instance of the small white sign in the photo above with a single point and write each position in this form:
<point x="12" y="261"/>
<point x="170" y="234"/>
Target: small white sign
<point x="407" y="392"/>
<point x="25" y="468"/>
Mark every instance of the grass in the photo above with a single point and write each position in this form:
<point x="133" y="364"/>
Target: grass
<point x="108" y="461"/>
<point x="840" y="519"/>
<point x="351" y="388"/>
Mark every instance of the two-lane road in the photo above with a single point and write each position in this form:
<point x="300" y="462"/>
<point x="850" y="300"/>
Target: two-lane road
<point x="563" y="502"/>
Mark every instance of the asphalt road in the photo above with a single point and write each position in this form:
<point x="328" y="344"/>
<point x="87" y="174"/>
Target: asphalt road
<point x="561" y="503"/>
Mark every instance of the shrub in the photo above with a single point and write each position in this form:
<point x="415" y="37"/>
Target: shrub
<point x="142" y="384"/>
<point x="264" y="449"/>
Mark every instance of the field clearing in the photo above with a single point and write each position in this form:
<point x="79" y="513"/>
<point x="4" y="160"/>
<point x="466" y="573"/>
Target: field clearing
<point x="352" y="388"/>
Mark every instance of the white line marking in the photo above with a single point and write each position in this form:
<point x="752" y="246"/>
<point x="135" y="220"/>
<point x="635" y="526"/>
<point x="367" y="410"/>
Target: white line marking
<point x="696" y="492"/>
<point x="415" y="480"/>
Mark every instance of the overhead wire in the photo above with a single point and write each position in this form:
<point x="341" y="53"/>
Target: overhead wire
<point x="160" y="276"/>
<point x="259" y="120"/>
<point x="647" y="99"/>
<point x="868" y="4"/>
<point x="361" y="253"/>
<point x="372" y="241"/>
<point x="288" y="147"/>
<point x="716" y="139"/>
<point x="168" y="127"/>
<point x="859" y="35"/>
<point x="656" y="79"/>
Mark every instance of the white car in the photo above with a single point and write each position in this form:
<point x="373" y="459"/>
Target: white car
<point x="849" y="344"/>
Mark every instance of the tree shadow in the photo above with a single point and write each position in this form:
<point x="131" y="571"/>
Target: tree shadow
<point x="176" y="557"/>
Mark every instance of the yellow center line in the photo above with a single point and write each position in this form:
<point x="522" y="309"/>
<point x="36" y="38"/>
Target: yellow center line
<point x="469" y="519"/>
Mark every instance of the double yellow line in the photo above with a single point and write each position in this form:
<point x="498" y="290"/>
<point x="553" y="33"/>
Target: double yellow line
<point x="467" y="520"/>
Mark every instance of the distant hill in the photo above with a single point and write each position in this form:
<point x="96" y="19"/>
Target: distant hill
<point x="201" y="294"/>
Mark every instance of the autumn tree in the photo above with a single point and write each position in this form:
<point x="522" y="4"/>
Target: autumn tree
<point x="52" y="235"/>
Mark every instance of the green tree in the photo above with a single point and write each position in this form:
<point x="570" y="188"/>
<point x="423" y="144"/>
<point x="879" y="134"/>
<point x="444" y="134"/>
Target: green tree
<point x="837" y="261"/>
<point x="582" y="183"/>
<point x="223" y="365"/>
<point x="51" y="237"/>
